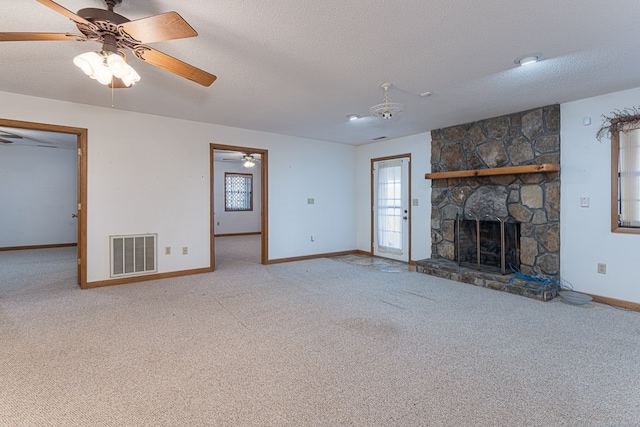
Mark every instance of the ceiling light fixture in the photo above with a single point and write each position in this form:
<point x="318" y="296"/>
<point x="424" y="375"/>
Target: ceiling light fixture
<point x="529" y="59"/>
<point x="353" y="117"/>
<point x="107" y="64"/>
<point x="386" y="109"/>
<point x="104" y="66"/>
<point x="248" y="162"/>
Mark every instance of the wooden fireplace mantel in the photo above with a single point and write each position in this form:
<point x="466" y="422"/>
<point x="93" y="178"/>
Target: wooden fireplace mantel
<point x="509" y="170"/>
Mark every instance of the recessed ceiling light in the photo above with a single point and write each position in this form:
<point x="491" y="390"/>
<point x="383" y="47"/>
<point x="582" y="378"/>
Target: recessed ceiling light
<point x="529" y="59"/>
<point x="353" y="117"/>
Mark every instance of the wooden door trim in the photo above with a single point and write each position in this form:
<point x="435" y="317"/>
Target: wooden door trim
<point x="264" y="199"/>
<point x="372" y="231"/>
<point x="81" y="134"/>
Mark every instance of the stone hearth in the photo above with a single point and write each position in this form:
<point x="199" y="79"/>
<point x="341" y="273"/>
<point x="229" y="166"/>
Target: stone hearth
<point x="506" y="283"/>
<point x="531" y="199"/>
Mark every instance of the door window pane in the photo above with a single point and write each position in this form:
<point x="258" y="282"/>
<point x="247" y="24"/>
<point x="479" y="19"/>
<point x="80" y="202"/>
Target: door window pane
<point x="389" y="210"/>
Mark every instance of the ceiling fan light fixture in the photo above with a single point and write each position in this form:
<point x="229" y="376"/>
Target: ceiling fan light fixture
<point x="88" y="62"/>
<point x="131" y="78"/>
<point x="249" y="161"/>
<point x="104" y="66"/>
<point x="117" y="65"/>
<point x="103" y="75"/>
<point x="386" y="109"/>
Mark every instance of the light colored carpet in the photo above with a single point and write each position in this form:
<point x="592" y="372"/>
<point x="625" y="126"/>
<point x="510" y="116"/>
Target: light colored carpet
<point x="318" y="343"/>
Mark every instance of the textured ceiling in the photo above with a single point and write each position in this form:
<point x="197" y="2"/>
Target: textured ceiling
<point x="298" y="67"/>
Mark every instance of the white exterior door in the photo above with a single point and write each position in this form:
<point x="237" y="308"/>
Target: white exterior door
<point x="391" y="209"/>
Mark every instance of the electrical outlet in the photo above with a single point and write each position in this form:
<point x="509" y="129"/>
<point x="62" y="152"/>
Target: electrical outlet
<point x="185" y="250"/>
<point x="585" y="202"/>
<point x="602" y="268"/>
<point x="167" y="250"/>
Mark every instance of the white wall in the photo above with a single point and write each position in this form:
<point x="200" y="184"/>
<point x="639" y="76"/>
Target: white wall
<point x="586" y="237"/>
<point x="38" y="195"/>
<point x="419" y="146"/>
<point x="242" y="221"/>
<point x="312" y="170"/>
<point x="146" y="176"/>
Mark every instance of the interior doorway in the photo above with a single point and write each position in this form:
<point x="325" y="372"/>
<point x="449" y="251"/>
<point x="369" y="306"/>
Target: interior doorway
<point x="391" y="211"/>
<point x="47" y="135"/>
<point x="238" y="156"/>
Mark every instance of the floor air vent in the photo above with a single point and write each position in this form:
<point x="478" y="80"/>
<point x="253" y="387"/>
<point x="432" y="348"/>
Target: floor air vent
<point x="133" y="255"/>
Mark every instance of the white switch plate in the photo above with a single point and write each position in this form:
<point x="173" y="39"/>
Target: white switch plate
<point x="167" y="250"/>
<point x="185" y="250"/>
<point x="602" y="268"/>
<point x="311" y="201"/>
<point x="415" y="202"/>
<point x="584" y="202"/>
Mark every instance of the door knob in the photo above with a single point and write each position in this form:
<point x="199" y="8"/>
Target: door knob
<point x="74" y="215"/>
<point x="404" y="217"/>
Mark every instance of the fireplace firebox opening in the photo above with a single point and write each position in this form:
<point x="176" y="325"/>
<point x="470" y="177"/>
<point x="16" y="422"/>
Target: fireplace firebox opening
<point x="490" y="244"/>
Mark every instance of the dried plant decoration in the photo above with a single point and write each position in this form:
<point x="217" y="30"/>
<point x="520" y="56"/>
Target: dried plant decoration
<point x="614" y="121"/>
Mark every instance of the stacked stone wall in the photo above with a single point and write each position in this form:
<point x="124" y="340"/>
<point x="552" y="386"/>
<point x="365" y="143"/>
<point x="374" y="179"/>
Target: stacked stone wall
<point x="525" y="138"/>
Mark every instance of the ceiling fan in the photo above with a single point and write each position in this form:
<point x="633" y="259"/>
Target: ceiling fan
<point x="116" y="32"/>
<point x="248" y="160"/>
<point x="5" y="136"/>
<point x="23" y="138"/>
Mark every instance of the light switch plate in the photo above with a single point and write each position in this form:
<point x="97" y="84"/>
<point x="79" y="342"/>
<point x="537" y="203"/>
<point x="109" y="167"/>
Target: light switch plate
<point x="584" y="202"/>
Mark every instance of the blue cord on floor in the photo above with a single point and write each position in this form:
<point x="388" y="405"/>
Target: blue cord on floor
<point x="534" y="284"/>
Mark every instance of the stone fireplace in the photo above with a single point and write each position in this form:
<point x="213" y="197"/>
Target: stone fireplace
<point x="504" y="168"/>
<point x="490" y="244"/>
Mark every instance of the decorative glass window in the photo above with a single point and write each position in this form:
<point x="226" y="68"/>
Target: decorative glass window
<point x="389" y="209"/>
<point x="238" y="192"/>
<point x="625" y="176"/>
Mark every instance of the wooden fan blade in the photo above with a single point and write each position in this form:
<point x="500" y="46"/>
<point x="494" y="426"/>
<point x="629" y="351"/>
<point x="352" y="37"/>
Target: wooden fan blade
<point x="65" y="12"/>
<point x="166" y="26"/>
<point x="21" y="37"/>
<point x="175" y="66"/>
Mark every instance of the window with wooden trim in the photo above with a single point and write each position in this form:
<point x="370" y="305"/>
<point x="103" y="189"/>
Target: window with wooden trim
<point x="625" y="175"/>
<point x="238" y="192"/>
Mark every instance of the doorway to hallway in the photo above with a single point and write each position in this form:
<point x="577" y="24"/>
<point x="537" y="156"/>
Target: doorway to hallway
<point x="228" y="162"/>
